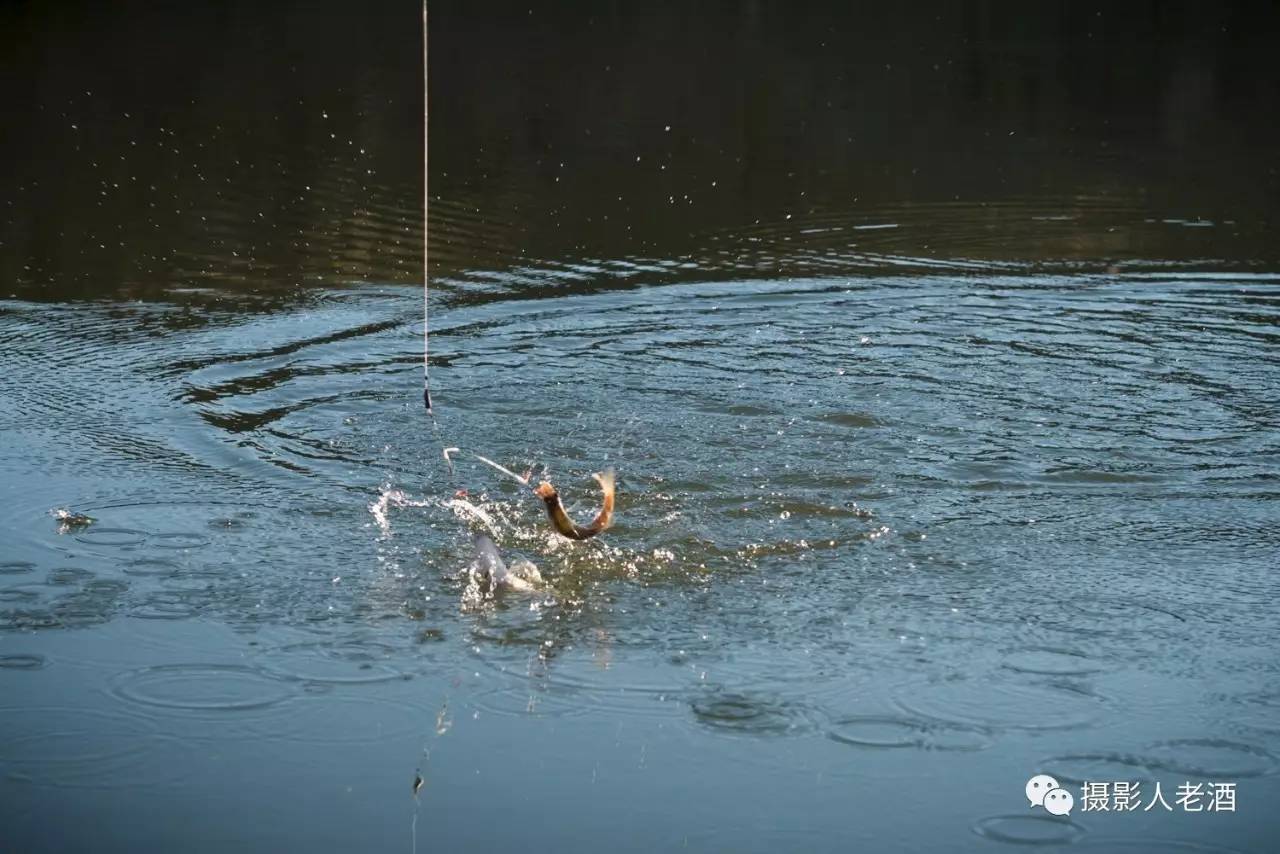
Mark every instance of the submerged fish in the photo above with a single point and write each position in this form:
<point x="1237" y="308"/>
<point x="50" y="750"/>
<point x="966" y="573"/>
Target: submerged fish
<point x="563" y="524"/>
<point x="487" y="568"/>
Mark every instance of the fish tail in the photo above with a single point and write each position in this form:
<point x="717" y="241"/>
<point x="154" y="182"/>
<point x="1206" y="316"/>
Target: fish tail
<point x="608" y="481"/>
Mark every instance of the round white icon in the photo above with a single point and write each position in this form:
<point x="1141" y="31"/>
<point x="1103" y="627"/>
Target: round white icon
<point x="1039" y="786"/>
<point x="1059" y="802"/>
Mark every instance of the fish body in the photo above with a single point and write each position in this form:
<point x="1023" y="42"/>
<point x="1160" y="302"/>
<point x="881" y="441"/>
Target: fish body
<point x="69" y="521"/>
<point x="488" y="568"/>
<point x="567" y="527"/>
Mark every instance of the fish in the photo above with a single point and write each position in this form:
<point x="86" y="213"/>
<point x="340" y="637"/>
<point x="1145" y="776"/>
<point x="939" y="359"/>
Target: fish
<point x="69" y="522"/>
<point x="488" y="568"/>
<point x="566" y="526"/>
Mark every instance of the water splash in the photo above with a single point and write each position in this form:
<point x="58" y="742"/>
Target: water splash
<point x="387" y="500"/>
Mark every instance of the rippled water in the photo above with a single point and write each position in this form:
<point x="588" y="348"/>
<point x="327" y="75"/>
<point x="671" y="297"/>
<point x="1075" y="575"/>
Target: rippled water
<point x="918" y="497"/>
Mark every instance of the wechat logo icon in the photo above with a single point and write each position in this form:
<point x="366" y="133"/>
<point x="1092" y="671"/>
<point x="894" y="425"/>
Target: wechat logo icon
<point x="1044" y="791"/>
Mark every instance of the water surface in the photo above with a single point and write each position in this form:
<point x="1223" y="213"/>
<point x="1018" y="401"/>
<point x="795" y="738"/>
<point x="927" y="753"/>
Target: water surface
<point x="936" y="354"/>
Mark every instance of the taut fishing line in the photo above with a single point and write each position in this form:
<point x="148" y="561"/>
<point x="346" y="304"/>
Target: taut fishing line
<point x="426" y="219"/>
<point x="446" y="451"/>
<point x="426" y="269"/>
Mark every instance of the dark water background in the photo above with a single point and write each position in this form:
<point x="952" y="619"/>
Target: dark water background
<point x="935" y="345"/>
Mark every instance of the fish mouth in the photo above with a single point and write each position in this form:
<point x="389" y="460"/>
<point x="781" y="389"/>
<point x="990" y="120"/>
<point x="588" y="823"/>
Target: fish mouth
<point x="544" y="490"/>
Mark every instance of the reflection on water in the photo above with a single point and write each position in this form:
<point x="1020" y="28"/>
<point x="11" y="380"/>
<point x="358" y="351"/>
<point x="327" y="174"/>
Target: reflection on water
<point x="935" y="353"/>
<point x="260" y="152"/>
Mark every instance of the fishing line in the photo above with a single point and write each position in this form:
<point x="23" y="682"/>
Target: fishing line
<point x="426" y="272"/>
<point x="426" y="378"/>
<point x="521" y="479"/>
<point x="426" y="248"/>
<point x="426" y="219"/>
<point x="426" y="276"/>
